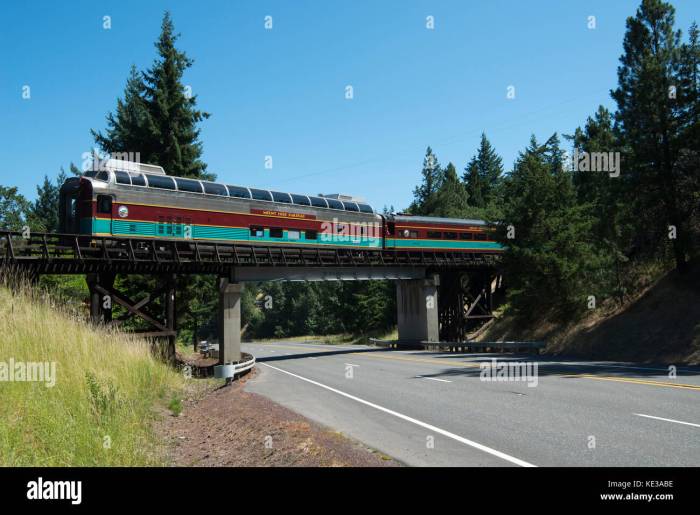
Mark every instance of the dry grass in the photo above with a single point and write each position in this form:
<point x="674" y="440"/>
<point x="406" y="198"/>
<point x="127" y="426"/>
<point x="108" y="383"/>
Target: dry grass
<point x="660" y="324"/>
<point x="101" y="409"/>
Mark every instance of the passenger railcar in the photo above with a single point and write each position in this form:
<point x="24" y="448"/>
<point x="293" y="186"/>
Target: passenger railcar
<point x="433" y="233"/>
<point x="142" y="201"/>
<point x="138" y="200"/>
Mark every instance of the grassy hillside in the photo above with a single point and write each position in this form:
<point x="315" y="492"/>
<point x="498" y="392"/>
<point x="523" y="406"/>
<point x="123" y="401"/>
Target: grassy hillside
<point x="662" y="324"/>
<point x="107" y="389"/>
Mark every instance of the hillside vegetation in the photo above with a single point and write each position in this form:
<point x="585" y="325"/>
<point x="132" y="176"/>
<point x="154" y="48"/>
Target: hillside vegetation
<point x="107" y="389"/>
<point x="661" y="324"/>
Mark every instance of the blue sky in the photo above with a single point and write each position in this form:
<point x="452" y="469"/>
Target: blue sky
<point x="281" y="92"/>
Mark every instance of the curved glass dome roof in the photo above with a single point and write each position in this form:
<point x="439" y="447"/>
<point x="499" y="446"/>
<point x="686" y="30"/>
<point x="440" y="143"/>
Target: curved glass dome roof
<point x="169" y="182"/>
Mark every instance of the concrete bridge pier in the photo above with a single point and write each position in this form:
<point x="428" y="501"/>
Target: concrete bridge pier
<point x="229" y="320"/>
<point x="417" y="306"/>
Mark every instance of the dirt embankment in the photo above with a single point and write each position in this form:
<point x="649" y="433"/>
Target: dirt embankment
<point x="662" y="325"/>
<point x="228" y="426"/>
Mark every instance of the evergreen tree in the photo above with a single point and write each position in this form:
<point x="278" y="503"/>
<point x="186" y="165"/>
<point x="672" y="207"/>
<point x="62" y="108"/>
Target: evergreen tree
<point x="431" y="181"/>
<point x="651" y="126"/>
<point x="172" y="112"/>
<point x="159" y="119"/>
<point x="451" y="199"/>
<point x="129" y="128"/>
<point x="473" y="180"/>
<point x="44" y="210"/>
<point x="14" y="209"/>
<point x="483" y="174"/>
<point x="550" y="260"/>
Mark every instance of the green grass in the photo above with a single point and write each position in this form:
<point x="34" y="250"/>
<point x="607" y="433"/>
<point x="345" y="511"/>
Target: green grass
<point x="102" y="409"/>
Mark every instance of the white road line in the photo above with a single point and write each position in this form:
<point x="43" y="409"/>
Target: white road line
<point x="434" y="379"/>
<point x="311" y="357"/>
<point x="352" y="365"/>
<point x="430" y="427"/>
<point x="667" y="420"/>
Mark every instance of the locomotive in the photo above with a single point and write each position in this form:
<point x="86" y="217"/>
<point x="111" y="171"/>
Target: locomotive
<point x="127" y="199"/>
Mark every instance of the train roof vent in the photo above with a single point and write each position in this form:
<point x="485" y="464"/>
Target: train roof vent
<point x="131" y="166"/>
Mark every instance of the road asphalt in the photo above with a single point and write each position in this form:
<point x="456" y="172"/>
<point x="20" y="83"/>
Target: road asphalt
<point x="439" y="409"/>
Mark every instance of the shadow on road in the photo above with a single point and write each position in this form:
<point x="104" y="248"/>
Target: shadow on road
<point x="470" y="364"/>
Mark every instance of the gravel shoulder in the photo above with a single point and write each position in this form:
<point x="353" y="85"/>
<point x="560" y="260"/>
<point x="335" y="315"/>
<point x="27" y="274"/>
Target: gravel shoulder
<point x="230" y="427"/>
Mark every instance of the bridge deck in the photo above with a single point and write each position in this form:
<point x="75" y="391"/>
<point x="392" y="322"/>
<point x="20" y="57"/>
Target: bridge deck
<point x="51" y="253"/>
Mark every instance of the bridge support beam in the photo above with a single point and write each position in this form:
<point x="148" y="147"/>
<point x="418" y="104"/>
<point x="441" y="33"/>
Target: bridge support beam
<point x="229" y="321"/>
<point x="417" y="306"/>
<point x="100" y="301"/>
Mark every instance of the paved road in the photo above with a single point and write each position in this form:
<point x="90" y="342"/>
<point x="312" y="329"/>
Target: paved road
<point x="429" y="408"/>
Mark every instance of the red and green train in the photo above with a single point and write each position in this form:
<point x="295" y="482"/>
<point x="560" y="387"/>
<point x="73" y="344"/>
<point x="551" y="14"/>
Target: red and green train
<point x="135" y="200"/>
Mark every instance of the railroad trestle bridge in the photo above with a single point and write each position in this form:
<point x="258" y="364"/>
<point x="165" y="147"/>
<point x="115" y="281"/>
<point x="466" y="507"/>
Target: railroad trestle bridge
<point x="441" y="296"/>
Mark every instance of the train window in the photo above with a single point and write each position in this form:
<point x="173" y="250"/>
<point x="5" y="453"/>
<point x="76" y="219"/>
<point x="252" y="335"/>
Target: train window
<point x="161" y="181"/>
<point x="293" y="235"/>
<point x="466" y="236"/>
<point x="302" y="200"/>
<point x="351" y="206"/>
<point x="450" y="235"/>
<point x="318" y="202"/>
<point x="311" y="235"/>
<point x="188" y="185"/>
<point x="391" y="228"/>
<point x="276" y="232"/>
<point x="434" y="234"/>
<point x="104" y="204"/>
<point x="260" y="194"/>
<point x="281" y="197"/>
<point x="334" y="204"/>
<point x="213" y="188"/>
<point x="102" y="176"/>
<point x="137" y="179"/>
<point x="122" y="177"/>
<point x="238" y="192"/>
<point x="481" y="236"/>
<point x="257" y="232"/>
<point x="364" y="208"/>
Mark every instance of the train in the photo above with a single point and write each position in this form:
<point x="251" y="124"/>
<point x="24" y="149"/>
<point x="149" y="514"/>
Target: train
<point x="137" y="200"/>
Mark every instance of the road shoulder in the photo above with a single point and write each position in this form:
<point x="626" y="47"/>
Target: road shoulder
<point x="230" y="426"/>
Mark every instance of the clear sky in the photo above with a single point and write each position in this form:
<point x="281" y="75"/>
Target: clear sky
<point x="281" y="92"/>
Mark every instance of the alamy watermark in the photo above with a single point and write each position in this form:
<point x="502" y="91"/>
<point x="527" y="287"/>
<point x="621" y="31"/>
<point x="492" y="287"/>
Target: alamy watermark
<point x="596" y="162"/>
<point x="28" y="371"/>
<point x="503" y="371"/>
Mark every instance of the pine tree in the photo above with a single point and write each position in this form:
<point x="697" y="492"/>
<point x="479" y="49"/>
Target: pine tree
<point x="129" y="128"/>
<point x="172" y="112"/>
<point x="431" y="181"/>
<point x="158" y="119"/>
<point x="483" y="174"/>
<point x="648" y="118"/>
<point x="44" y="210"/>
<point x="473" y="180"/>
<point x="549" y="259"/>
<point x="602" y="196"/>
<point x="451" y="199"/>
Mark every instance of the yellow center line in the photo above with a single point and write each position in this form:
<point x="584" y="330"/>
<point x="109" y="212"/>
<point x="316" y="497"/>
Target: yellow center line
<point x="433" y="361"/>
<point x="637" y="381"/>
